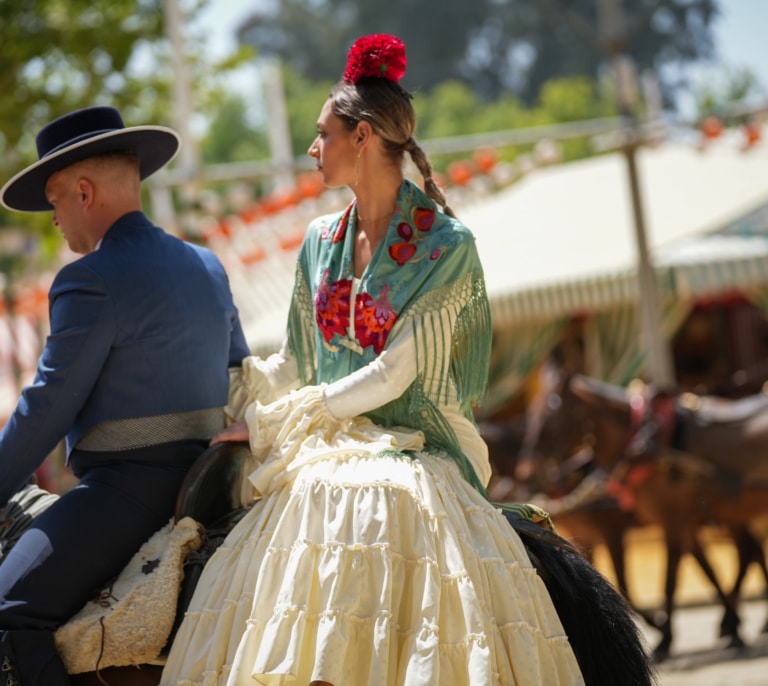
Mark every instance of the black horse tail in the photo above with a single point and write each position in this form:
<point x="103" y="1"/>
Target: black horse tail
<point x="598" y="620"/>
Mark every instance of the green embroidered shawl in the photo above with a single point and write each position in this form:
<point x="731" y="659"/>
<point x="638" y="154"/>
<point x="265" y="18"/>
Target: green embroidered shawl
<point x="425" y="274"/>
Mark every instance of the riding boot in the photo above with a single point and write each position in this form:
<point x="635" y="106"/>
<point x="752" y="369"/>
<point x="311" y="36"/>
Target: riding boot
<point x="29" y="658"/>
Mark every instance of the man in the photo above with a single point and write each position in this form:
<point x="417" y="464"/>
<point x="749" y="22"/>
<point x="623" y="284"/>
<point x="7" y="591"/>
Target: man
<point x="134" y="374"/>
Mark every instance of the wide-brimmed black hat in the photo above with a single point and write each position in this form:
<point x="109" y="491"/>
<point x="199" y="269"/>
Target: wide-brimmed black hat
<point x="81" y="134"/>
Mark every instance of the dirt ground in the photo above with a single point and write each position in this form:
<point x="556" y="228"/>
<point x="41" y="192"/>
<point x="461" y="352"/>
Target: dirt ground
<point x="698" y="659"/>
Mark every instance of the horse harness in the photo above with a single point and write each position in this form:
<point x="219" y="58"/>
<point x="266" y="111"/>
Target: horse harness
<point x="659" y="434"/>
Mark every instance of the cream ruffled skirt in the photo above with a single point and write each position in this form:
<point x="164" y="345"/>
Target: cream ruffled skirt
<point x="365" y="569"/>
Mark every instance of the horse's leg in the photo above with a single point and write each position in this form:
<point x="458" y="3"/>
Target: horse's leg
<point x="760" y="559"/>
<point x="614" y="540"/>
<point x="749" y="550"/>
<point x="729" y="627"/>
<point x="664" y="623"/>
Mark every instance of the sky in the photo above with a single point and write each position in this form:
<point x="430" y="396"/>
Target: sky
<point x="740" y="40"/>
<point x="740" y="37"/>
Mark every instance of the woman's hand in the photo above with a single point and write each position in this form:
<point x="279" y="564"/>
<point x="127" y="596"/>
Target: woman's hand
<point x="235" y="432"/>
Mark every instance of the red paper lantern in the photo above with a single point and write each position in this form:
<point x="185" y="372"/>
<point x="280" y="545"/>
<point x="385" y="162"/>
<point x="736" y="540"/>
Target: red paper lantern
<point x="460" y="172"/>
<point x="252" y="213"/>
<point x="253" y="256"/>
<point x="292" y="242"/>
<point x="752" y="133"/>
<point x="486" y="159"/>
<point x="711" y="127"/>
<point x="310" y="185"/>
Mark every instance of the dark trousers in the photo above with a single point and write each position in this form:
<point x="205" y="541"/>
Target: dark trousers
<point x="77" y="545"/>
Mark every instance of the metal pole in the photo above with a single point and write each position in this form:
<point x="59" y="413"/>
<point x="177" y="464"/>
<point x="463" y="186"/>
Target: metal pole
<point x="182" y="91"/>
<point x="614" y="39"/>
<point x="188" y="159"/>
<point x="277" y="120"/>
<point x="659" y="355"/>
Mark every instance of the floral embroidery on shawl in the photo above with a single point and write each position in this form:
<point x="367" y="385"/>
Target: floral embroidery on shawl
<point x="332" y="306"/>
<point x="341" y="228"/>
<point x="422" y="218"/>
<point x="374" y="318"/>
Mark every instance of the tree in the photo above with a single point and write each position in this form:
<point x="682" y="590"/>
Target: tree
<point x="230" y="137"/>
<point x="725" y="89"/>
<point x="58" y="55"/>
<point x="312" y="36"/>
<point x="493" y="46"/>
<point x="61" y="54"/>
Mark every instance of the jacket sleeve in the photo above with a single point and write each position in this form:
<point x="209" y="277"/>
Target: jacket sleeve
<point x="238" y="347"/>
<point x="82" y="332"/>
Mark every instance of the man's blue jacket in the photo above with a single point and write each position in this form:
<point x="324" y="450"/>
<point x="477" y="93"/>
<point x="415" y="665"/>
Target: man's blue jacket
<point x="144" y="326"/>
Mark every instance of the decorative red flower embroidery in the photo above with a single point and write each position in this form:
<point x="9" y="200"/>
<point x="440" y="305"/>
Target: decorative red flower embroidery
<point x="341" y="229"/>
<point x="402" y="252"/>
<point x="423" y="218"/>
<point x="374" y="318"/>
<point x="332" y="306"/>
<point x="377" y="55"/>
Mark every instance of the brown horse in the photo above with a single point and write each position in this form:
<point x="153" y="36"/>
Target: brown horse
<point x="588" y="521"/>
<point x="681" y="467"/>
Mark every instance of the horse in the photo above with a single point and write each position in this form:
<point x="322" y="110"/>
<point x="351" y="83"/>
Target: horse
<point x="589" y="521"/>
<point x="681" y="465"/>
<point x="599" y="623"/>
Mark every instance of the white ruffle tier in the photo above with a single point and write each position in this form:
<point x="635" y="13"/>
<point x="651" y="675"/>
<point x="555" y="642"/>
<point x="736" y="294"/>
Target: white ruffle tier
<point x="371" y="570"/>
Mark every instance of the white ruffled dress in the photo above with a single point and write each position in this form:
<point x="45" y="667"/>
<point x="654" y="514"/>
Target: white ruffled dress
<point x="363" y="565"/>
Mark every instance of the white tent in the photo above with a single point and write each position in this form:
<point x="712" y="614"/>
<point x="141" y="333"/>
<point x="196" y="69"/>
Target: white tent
<point x="563" y="239"/>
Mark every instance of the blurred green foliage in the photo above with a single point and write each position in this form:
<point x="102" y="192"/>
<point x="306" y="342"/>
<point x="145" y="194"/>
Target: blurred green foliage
<point x="59" y="55"/>
<point x="493" y="46"/>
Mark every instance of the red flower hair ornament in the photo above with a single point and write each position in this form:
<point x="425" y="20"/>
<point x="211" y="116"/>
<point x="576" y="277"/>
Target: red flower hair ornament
<point x="377" y="55"/>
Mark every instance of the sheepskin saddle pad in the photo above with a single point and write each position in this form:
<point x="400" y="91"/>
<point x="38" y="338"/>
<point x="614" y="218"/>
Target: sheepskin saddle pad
<point x="130" y="621"/>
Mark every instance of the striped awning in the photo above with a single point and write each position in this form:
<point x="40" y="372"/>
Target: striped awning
<point x="562" y="241"/>
<point x="567" y="298"/>
<point x="716" y="264"/>
<point x="704" y="267"/>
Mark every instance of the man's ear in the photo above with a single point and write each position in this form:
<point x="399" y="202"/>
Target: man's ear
<point x="86" y="191"/>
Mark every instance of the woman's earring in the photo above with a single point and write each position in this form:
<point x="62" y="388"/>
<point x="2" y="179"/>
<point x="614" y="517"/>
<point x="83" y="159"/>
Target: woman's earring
<point x="357" y="169"/>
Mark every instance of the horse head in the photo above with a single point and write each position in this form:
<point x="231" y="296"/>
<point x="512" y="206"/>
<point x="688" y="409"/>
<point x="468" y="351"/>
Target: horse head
<point x="574" y="422"/>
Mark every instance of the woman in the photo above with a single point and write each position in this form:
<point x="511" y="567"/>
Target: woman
<point x="373" y="555"/>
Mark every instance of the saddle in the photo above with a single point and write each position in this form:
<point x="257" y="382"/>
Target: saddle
<point x="216" y="494"/>
<point x="135" y="618"/>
